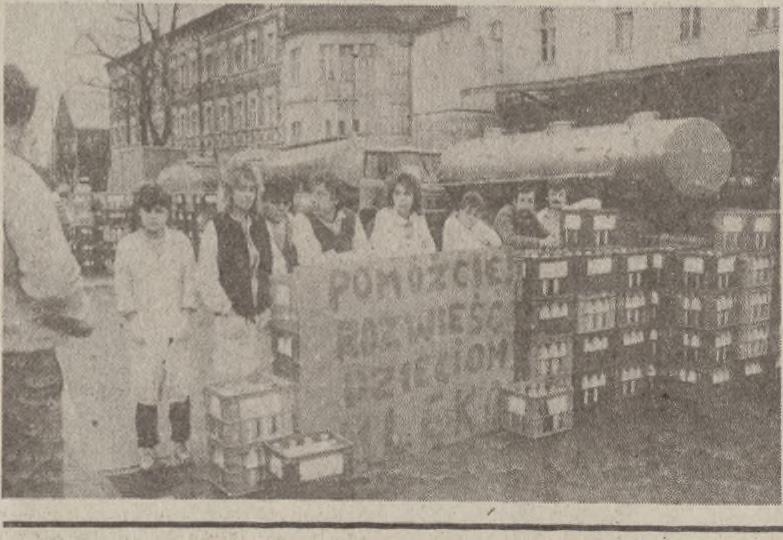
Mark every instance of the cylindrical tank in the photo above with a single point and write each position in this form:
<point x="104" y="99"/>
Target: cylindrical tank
<point x="689" y="155"/>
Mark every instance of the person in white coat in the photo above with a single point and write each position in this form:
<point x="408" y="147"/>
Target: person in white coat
<point x="465" y="230"/>
<point x="400" y="229"/>
<point x="154" y="282"/>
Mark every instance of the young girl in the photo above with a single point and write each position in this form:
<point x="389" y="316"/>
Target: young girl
<point x="235" y="262"/>
<point x="155" y="287"/>
<point x="399" y="228"/>
<point x="465" y="230"/>
<point x="327" y="230"/>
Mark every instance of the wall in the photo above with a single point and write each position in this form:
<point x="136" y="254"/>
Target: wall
<point x="378" y="95"/>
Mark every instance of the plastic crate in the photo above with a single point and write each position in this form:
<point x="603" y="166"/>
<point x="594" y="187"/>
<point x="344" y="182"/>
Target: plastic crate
<point x="307" y="457"/>
<point x="536" y="416"/>
<point x="237" y="482"/>
<point x="251" y="430"/>
<point x="252" y="397"/>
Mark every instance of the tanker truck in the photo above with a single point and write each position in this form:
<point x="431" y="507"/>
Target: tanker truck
<point x="659" y="170"/>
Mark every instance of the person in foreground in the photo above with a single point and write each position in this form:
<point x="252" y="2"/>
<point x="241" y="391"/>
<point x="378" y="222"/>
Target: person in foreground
<point x="234" y="268"/>
<point x="399" y="228"/>
<point x="465" y="230"/>
<point x="154" y="280"/>
<point x="43" y="301"/>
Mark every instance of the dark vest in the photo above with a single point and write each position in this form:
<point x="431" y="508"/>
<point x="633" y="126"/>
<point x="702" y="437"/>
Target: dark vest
<point x="340" y="242"/>
<point x="234" y="264"/>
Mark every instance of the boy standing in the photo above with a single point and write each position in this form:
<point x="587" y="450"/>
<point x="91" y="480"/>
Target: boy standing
<point x="155" y="286"/>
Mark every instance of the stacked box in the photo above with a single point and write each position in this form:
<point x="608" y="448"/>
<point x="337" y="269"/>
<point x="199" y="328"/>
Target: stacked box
<point x="307" y="457"/>
<point x="545" y="293"/>
<point x="241" y="416"/>
<point x="746" y="229"/>
<point x="587" y="228"/>
<point x="538" y="409"/>
<point x="641" y="314"/>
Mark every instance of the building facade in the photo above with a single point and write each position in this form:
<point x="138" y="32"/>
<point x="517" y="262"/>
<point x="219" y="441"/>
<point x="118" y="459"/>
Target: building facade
<point x="529" y="66"/>
<point x="256" y="76"/>
<point x="252" y="76"/>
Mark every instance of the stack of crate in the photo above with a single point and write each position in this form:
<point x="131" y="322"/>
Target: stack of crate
<point x="241" y="416"/>
<point x="754" y="334"/>
<point x="596" y="333"/>
<point x="703" y="287"/>
<point x="640" y="321"/>
<point x="756" y="234"/>
<point x="545" y="320"/>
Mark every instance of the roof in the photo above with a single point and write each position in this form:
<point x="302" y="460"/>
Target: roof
<point x="88" y="108"/>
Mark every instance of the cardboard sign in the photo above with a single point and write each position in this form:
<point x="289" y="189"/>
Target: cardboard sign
<point x="404" y="353"/>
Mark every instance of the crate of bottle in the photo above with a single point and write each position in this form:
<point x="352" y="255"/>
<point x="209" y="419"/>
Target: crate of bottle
<point x="535" y="409"/>
<point x="252" y="397"/>
<point x="307" y="457"/>
<point x="251" y="430"/>
<point x="236" y="471"/>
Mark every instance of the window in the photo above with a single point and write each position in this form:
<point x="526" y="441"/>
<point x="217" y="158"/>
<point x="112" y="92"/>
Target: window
<point x="623" y="30"/>
<point x="496" y="37"/>
<point x="547" y="35"/>
<point x="208" y="117"/>
<point x="690" y="24"/>
<point x="239" y="114"/>
<point x="252" y="51"/>
<point x="270" y="46"/>
<point x="347" y="63"/>
<point x="296" y="131"/>
<point x="194" y="71"/>
<point x="327" y="129"/>
<point x="550" y="286"/>
<point x="767" y="19"/>
<point x="223" y="117"/>
<point x="294" y="65"/>
<point x="239" y="56"/>
<point x="326" y="61"/>
<point x="252" y="111"/>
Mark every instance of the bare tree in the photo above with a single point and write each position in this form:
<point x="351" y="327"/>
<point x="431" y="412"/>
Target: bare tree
<point x="148" y="89"/>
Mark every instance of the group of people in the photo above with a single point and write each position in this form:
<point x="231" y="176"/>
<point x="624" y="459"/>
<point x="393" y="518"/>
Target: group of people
<point x="255" y="237"/>
<point x="158" y="283"/>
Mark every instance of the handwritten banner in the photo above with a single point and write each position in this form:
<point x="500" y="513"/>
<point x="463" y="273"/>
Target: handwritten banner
<point x="404" y="353"/>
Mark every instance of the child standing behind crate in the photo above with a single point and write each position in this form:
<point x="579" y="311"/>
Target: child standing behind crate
<point x="154" y="281"/>
<point x="235" y="262"/>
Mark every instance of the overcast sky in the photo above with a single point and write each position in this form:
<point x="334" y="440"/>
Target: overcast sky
<point x="44" y="40"/>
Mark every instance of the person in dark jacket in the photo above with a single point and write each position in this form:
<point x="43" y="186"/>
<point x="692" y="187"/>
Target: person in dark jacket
<point x="517" y="223"/>
<point x="234" y="266"/>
